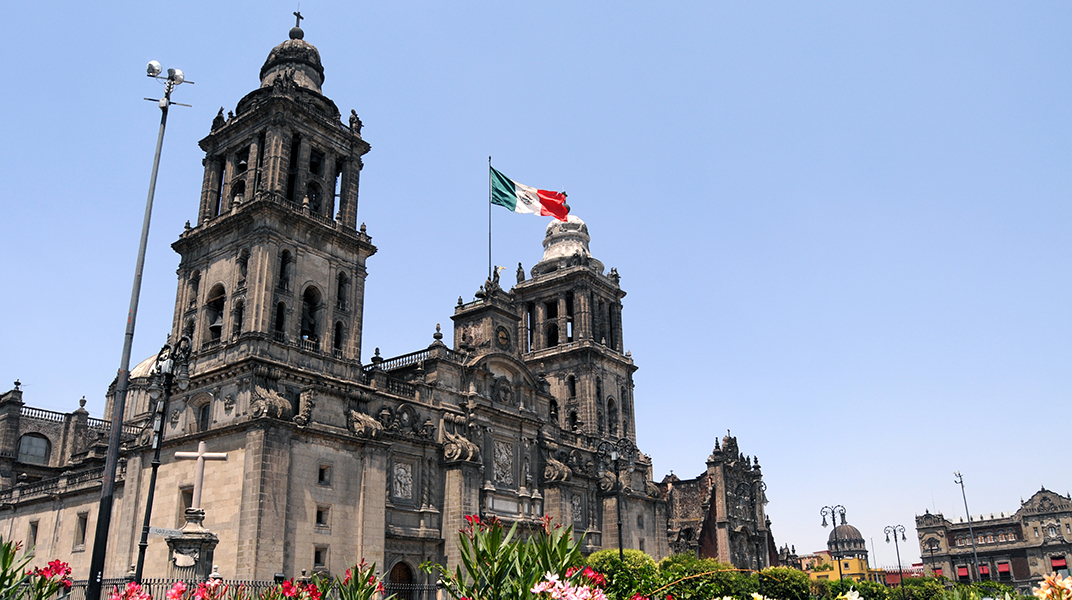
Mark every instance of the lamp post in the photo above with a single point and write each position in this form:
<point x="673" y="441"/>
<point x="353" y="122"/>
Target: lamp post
<point x="171" y="367"/>
<point x="833" y="512"/>
<point x="111" y="461"/>
<point x="895" y="529"/>
<point x="618" y="453"/>
<point x="975" y="553"/>
<point x="755" y="490"/>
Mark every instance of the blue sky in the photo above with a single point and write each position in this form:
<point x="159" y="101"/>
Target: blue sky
<point x="843" y="227"/>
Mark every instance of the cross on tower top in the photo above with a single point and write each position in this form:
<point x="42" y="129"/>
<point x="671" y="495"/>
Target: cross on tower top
<point x="298" y="18"/>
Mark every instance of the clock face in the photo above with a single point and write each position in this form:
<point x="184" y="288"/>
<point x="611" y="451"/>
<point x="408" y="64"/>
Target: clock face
<point x="502" y="338"/>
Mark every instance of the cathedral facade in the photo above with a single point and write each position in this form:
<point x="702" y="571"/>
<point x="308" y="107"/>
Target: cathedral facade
<point x="330" y="460"/>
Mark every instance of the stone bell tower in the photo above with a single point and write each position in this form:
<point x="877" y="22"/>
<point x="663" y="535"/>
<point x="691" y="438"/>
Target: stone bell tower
<point x="275" y="266"/>
<point x="570" y="331"/>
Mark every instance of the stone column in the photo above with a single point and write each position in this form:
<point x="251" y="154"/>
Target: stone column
<point x="538" y="341"/>
<point x="461" y="496"/>
<point x="210" y="188"/>
<point x="277" y="156"/>
<point x="372" y="503"/>
<point x="348" y="191"/>
<point x="301" y="170"/>
<point x="262" y="516"/>
<point x="328" y="180"/>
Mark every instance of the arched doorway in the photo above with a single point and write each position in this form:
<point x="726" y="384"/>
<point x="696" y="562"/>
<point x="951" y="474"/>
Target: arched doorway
<point x="400" y="582"/>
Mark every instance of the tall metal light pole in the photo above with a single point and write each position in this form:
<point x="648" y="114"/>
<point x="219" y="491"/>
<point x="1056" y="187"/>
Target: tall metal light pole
<point x="975" y="553"/>
<point x="833" y="512"/>
<point x="111" y="461"/>
<point x="618" y="453"/>
<point x="895" y="529"/>
<point x="753" y="489"/>
<point x="172" y="367"/>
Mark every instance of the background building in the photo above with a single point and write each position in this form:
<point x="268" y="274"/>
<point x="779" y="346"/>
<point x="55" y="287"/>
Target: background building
<point x="1018" y="548"/>
<point x="845" y="557"/>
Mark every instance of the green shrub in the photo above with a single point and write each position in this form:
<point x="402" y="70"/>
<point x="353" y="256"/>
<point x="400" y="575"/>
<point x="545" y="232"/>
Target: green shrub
<point x="868" y="590"/>
<point x="784" y="583"/>
<point x="638" y="574"/>
<point x="922" y="588"/>
<point x="685" y="577"/>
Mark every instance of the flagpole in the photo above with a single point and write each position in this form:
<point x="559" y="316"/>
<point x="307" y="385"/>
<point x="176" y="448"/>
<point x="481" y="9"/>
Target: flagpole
<point x="489" y="217"/>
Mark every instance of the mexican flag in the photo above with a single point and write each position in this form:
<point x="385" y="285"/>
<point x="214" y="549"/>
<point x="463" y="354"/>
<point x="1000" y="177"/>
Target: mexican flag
<point x="524" y="199"/>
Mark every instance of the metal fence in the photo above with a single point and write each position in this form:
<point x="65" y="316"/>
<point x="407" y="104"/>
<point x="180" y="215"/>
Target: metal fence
<point x="159" y="587"/>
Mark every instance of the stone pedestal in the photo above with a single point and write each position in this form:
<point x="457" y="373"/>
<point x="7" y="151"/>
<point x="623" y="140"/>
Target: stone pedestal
<point x="190" y="554"/>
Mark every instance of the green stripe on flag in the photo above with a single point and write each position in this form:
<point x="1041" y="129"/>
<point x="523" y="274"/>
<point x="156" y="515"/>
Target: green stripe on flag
<point x="503" y="191"/>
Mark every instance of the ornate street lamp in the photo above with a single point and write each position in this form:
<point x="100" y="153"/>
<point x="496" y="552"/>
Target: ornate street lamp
<point x="975" y="553"/>
<point x="622" y="454"/>
<point x="833" y="512"/>
<point x="755" y="490"/>
<point x="111" y="462"/>
<point x="171" y="368"/>
<point x="895" y="529"/>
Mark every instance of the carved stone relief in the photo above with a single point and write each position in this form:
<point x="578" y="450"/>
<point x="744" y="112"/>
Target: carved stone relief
<point x="403" y="481"/>
<point x="504" y="463"/>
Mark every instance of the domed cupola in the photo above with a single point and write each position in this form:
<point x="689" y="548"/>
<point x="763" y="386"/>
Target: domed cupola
<point x="846" y="541"/>
<point x="566" y="245"/>
<point x="296" y="56"/>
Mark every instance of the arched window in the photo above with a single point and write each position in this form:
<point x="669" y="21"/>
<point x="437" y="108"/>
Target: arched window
<point x="571" y="383"/>
<point x="337" y="339"/>
<point x="239" y="313"/>
<point x="238" y="192"/>
<point x="599" y="421"/>
<point x="552" y="335"/>
<point x="574" y="422"/>
<point x="285" y="266"/>
<point x="34" y="449"/>
<point x="280" y="320"/>
<point x="204" y="416"/>
<point x="612" y="416"/>
<point x="599" y="389"/>
<point x="342" y="291"/>
<point x="310" y="327"/>
<point x="217" y="299"/>
<point x="554" y="411"/>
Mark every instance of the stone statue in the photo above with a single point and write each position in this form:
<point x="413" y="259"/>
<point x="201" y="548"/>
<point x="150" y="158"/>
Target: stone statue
<point x="520" y="273"/>
<point x="355" y="123"/>
<point x="218" y="121"/>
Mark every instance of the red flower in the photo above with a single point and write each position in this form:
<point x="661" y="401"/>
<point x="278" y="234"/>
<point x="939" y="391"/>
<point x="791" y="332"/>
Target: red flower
<point x="346" y="580"/>
<point x="570" y="572"/>
<point x="289" y="590"/>
<point x="473" y="519"/>
<point x="380" y="588"/>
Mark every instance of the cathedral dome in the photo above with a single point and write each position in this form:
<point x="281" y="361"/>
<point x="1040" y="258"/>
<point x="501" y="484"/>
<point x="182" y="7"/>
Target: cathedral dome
<point x="845" y="533"/>
<point x="295" y="56"/>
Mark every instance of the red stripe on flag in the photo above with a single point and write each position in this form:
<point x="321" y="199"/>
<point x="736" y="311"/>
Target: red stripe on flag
<point x="553" y="204"/>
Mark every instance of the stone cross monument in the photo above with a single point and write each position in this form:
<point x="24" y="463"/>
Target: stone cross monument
<point x="191" y="552"/>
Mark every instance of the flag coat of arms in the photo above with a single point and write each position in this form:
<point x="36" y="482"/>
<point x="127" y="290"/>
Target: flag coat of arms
<point x="525" y="199"/>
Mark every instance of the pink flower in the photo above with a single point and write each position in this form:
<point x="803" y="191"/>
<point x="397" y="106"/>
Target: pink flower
<point x="177" y="591"/>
